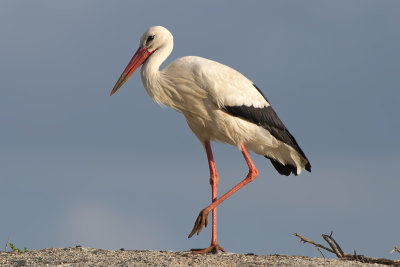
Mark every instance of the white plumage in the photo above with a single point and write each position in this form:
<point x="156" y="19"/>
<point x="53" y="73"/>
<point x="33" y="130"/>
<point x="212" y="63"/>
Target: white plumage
<point x="218" y="102"/>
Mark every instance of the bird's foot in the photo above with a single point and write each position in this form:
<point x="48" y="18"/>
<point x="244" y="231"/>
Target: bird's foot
<point x="211" y="249"/>
<point x="200" y="222"/>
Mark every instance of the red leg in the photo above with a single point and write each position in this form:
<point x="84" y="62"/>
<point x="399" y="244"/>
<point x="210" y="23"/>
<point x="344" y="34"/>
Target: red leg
<point x="214" y="247"/>
<point x="202" y="219"/>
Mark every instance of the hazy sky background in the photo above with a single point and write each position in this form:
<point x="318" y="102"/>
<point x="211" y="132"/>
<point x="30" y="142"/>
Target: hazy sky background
<point x="80" y="167"/>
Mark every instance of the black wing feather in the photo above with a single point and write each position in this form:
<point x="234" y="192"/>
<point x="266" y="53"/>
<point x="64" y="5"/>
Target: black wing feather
<point x="269" y="120"/>
<point x="283" y="169"/>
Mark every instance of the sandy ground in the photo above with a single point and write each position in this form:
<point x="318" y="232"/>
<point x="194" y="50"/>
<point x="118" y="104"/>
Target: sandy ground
<point x="97" y="257"/>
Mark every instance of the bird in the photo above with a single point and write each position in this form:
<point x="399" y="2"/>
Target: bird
<point x="219" y="104"/>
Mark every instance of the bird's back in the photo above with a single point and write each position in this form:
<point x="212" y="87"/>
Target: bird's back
<point x="225" y="85"/>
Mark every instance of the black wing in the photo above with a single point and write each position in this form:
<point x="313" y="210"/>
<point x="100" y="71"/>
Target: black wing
<point x="267" y="118"/>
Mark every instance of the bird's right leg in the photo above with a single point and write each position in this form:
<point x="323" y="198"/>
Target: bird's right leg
<point x="214" y="247"/>
<point x="202" y="218"/>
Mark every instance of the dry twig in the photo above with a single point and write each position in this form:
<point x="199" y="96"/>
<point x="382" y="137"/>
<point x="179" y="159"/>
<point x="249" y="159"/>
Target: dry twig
<point x="320" y="251"/>
<point x="335" y="248"/>
<point x="396" y="249"/>
<point x="8" y="241"/>
<point x="305" y="240"/>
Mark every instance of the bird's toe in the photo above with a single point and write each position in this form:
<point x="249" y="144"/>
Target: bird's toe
<point x="202" y="220"/>
<point x="211" y="249"/>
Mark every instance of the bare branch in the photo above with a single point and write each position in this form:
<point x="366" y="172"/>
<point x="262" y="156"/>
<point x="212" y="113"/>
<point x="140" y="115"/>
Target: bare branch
<point x="353" y="257"/>
<point x="305" y="240"/>
<point x="396" y="249"/>
<point x="334" y="245"/>
<point x="8" y="241"/>
<point x="320" y="251"/>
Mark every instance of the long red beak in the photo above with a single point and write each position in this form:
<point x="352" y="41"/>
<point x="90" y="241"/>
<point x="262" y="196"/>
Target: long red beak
<point x="138" y="58"/>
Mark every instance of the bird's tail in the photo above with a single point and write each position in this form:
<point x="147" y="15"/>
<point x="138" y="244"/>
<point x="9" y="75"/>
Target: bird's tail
<point x="288" y="168"/>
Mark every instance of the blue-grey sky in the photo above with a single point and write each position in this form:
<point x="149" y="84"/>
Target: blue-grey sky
<point x="80" y="167"/>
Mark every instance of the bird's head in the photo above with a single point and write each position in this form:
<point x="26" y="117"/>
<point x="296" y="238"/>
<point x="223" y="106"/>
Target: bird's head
<point x="155" y="38"/>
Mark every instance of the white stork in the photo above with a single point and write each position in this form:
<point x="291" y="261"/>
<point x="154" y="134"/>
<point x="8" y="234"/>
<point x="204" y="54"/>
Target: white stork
<point x="219" y="104"/>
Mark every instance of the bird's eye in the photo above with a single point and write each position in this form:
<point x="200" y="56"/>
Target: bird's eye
<point x="149" y="39"/>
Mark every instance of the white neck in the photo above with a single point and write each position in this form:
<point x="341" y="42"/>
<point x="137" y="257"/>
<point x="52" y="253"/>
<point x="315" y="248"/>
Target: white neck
<point x="151" y="76"/>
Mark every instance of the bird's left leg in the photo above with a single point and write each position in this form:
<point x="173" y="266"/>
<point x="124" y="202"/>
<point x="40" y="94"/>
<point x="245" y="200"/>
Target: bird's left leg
<point x="214" y="247"/>
<point x="202" y="218"/>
